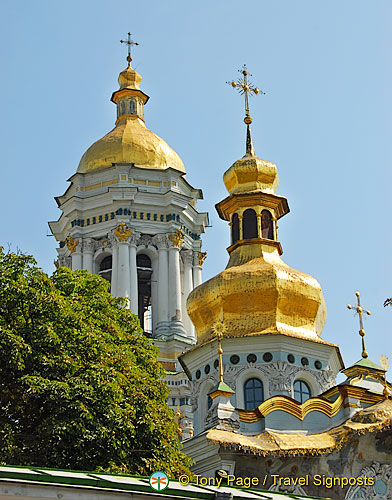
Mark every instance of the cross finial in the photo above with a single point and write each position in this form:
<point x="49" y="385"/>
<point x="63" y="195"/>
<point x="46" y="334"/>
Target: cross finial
<point x="246" y="88"/>
<point x="219" y="329"/>
<point x="359" y="309"/>
<point x="129" y="42"/>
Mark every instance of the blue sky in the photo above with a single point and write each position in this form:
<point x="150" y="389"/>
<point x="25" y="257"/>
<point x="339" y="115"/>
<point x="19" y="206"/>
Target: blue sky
<point x="325" y="121"/>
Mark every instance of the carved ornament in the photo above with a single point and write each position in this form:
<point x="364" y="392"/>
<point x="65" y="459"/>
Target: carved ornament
<point x="71" y="243"/>
<point x="123" y="232"/>
<point x="177" y="238"/>
<point x="202" y="257"/>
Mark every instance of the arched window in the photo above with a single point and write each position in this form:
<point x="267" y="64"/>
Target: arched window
<point x="132" y="107"/>
<point x="144" y="272"/>
<point x="302" y="391"/>
<point x="122" y="108"/>
<point x="105" y="268"/>
<point x="249" y="224"/>
<point x="266" y="225"/>
<point x="253" y="393"/>
<point x="235" y="228"/>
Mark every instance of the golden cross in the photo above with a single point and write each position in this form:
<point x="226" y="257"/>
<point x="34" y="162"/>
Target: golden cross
<point x="219" y="329"/>
<point x="359" y="309"/>
<point x="129" y="42"/>
<point x="245" y="88"/>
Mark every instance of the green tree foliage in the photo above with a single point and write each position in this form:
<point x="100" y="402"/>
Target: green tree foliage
<point x="80" y="385"/>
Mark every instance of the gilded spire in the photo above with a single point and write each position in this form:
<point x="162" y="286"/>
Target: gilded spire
<point x="246" y="88"/>
<point x="359" y="309"/>
<point x="129" y="42"/>
<point x="219" y="329"/>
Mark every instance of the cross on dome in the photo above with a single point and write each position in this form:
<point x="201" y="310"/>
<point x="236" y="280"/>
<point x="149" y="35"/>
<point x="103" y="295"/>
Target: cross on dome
<point x="246" y="88"/>
<point x="360" y="311"/>
<point x="129" y="42"/>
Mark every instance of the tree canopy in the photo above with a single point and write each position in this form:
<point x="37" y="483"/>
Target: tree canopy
<point x="80" y="385"/>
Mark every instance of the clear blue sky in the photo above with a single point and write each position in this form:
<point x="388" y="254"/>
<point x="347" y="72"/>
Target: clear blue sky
<point x="325" y="121"/>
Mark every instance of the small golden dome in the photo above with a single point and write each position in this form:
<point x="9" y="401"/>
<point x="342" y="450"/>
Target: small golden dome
<point x="250" y="174"/>
<point x="130" y="142"/>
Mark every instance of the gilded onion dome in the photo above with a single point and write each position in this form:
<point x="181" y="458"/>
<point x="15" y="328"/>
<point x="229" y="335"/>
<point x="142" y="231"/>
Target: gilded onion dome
<point x="130" y="141"/>
<point x="257" y="293"/>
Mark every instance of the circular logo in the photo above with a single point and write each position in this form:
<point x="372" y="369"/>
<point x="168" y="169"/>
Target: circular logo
<point x="159" y="481"/>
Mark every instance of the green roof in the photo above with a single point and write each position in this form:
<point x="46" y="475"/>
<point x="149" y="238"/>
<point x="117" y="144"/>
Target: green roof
<point x="124" y="483"/>
<point x="221" y="386"/>
<point x="367" y="363"/>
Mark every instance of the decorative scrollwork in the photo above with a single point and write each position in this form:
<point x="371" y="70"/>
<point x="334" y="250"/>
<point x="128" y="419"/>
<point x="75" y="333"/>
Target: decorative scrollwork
<point x="123" y="232"/>
<point x="177" y="238"/>
<point x="71" y="244"/>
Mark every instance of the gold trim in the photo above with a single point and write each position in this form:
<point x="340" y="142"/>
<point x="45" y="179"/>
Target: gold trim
<point x="298" y="410"/>
<point x="107" y="183"/>
<point x="256" y="241"/>
<point x="93" y="186"/>
<point x="141" y="182"/>
<point x="128" y="116"/>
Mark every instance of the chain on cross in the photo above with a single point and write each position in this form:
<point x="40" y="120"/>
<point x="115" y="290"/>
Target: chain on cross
<point x="359" y="309"/>
<point x="245" y="88"/>
<point x="129" y="42"/>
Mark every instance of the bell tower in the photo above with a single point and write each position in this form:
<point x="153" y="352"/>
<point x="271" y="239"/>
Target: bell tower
<point x="130" y="215"/>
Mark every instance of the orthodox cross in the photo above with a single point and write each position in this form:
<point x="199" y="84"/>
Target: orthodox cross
<point x="359" y="309"/>
<point x="245" y="88"/>
<point x="129" y="42"/>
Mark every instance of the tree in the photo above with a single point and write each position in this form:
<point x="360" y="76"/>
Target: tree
<point x="80" y="385"/>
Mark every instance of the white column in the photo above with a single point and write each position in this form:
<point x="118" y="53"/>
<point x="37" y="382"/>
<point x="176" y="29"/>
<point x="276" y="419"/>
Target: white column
<point x="88" y="254"/>
<point x="174" y="284"/>
<point x="123" y="270"/>
<point x="163" y="285"/>
<point x="199" y="258"/>
<point x="77" y="258"/>
<point x="114" y="281"/>
<point x="187" y="257"/>
<point x="133" y="277"/>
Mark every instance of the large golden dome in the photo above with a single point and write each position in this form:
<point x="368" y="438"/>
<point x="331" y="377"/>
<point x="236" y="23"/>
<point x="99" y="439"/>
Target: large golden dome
<point x="130" y="141"/>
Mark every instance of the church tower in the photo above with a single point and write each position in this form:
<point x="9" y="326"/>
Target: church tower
<point x="130" y="215"/>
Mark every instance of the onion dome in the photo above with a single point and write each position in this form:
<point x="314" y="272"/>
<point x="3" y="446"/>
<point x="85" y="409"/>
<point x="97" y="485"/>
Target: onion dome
<point x="130" y="141"/>
<point x="257" y="293"/>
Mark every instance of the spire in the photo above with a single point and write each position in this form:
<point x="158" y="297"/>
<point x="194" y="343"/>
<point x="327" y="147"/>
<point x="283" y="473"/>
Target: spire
<point x="246" y="88"/>
<point x="359" y="309"/>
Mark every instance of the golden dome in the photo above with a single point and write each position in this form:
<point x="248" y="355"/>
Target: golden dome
<point x="258" y="294"/>
<point x="130" y="141"/>
<point x="251" y="174"/>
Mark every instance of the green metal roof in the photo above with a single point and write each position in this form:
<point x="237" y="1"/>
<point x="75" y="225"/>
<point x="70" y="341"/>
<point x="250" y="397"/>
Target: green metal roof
<point x="135" y="484"/>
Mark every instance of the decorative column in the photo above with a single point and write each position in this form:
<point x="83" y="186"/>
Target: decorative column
<point x="76" y="252"/>
<point x="162" y="242"/>
<point x="175" y="316"/>
<point x="123" y="233"/>
<point x="133" y="273"/>
<point x="199" y="258"/>
<point x="187" y="258"/>
<point x="259" y="231"/>
<point x="113" y="285"/>
<point x="275" y="228"/>
<point x="240" y="217"/>
<point x="88" y="250"/>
